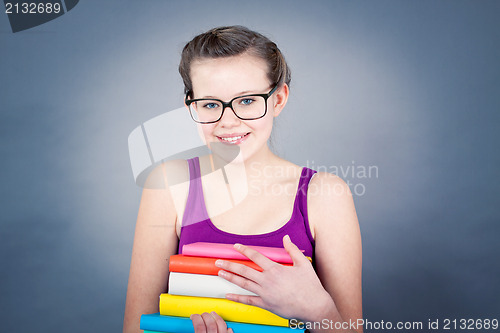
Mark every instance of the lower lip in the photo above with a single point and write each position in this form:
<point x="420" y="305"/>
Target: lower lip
<point x="235" y="142"/>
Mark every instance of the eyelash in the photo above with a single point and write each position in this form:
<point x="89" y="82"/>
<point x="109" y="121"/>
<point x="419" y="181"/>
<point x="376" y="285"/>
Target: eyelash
<point x="207" y="105"/>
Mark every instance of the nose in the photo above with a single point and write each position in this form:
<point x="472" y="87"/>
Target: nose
<point x="229" y="118"/>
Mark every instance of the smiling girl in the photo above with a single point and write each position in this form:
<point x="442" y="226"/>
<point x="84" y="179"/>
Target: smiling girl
<point x="236" y="83"/>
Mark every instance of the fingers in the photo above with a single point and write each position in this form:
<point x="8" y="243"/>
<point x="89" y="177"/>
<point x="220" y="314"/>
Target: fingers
<point x="240" y="281"/>
<point x="220" y="324"/>
<point x="208" y="323"/>
<point x="297" y="256"/>
<point x="239" y="269"/>
<point x="198" y="323"/>
<point x="255" y="256"/>
<point x="246" y="299"/>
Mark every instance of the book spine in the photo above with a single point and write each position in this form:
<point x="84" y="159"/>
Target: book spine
<point x="201" y="265"/>
<point x="184" y="306"/>
<point x="227" y="251"/>
<point x="202" y="285"/>
<point x="159" y="323"/>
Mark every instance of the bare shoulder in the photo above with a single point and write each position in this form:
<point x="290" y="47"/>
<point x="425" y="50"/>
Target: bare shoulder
<point x="331" y="184"/>
<point x="167" y="174"/>
<point x="157" y="202"/>
<point x="166" y="189"/>
<point x="330" y="202"/>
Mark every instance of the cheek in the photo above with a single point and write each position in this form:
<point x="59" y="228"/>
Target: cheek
<point x="205" y="131"/>
<point x="264" y="126"/>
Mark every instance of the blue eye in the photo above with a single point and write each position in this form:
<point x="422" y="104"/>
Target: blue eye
<point x="211" y="105"/>
<point x="246" y="101"/>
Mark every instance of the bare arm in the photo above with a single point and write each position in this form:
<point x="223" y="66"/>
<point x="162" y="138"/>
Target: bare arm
<point x="338" y="247"/>
<point x="154" y="241"/>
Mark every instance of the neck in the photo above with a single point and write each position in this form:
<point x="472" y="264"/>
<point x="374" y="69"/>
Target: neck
<point x="250" y="166"/>
<point x="247" y="177"/>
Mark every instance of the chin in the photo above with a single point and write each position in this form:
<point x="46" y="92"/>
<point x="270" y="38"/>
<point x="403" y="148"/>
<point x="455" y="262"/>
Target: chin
<point x="225" y="152"/>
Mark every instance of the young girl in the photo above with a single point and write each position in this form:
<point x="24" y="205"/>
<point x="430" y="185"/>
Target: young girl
<point x="236" y="83"/>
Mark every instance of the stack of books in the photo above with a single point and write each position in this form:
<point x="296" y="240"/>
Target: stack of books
<point x="195" y="287"/>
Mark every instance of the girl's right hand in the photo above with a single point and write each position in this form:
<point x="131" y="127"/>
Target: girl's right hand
<point x="209" y="323"/>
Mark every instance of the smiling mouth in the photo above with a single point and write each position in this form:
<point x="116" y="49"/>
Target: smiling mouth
<point x="233" y="139"/>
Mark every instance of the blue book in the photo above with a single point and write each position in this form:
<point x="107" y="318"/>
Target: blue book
<point x="158" y="323"/>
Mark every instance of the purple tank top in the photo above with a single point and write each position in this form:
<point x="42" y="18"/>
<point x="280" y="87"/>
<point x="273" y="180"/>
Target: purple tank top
<point x="197" y="226"/>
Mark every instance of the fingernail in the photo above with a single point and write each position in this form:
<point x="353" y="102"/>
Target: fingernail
<point x="222" y="273"/>
<point x="287" y="238"/>
<point x="218" y="263"/>
<point x="237" y="246"/>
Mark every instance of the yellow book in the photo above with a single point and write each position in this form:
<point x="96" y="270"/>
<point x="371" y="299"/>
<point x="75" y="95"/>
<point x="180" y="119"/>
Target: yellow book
<point x="184" y="306"/>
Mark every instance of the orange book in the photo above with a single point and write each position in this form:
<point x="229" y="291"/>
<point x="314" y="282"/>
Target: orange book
<point x="203" y="265"/>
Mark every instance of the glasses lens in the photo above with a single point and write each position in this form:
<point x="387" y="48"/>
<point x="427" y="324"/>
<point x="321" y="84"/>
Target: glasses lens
<point x="206" y="110"/>
<point x="210" y="110"/>
<point x="250" y="107"/>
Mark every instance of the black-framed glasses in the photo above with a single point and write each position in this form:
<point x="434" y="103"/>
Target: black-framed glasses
<point x="246" y="107"/>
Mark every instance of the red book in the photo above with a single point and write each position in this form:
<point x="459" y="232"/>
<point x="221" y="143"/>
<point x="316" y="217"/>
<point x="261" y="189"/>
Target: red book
<point x="203" y="265"/>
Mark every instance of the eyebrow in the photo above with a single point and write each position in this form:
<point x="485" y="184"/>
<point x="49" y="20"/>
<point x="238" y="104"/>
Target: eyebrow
<point x="243" y="93"/>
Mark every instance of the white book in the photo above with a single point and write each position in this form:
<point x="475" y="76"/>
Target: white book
<point x="201" y="285"/>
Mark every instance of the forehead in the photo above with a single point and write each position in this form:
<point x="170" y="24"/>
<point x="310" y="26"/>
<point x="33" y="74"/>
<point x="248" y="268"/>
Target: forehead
<point x="227" y="77"/>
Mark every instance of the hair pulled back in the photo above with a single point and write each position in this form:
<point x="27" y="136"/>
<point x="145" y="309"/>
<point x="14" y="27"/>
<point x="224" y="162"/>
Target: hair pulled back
<point x="230" y="41"/>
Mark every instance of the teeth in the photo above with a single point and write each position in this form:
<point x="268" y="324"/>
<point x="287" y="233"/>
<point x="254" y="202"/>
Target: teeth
<point x="232" y="139"/>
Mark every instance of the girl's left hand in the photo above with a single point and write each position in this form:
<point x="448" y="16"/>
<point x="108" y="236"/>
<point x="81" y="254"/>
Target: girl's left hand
<point x="288" y="291"/>
<point x="209" y="323"/>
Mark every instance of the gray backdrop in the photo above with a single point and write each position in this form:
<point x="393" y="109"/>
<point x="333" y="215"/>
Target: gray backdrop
<point x="408" y="88"/>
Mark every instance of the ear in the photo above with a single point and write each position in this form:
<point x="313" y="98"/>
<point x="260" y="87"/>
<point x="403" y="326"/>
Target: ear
<point x="280" y="99"/>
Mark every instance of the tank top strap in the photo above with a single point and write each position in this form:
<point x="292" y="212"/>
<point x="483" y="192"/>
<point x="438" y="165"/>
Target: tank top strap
<point x="195" y="210"/>
<point x="305" y="179"/>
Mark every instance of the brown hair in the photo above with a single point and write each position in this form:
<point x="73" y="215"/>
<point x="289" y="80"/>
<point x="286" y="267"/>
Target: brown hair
<point x="230" y="41"/>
